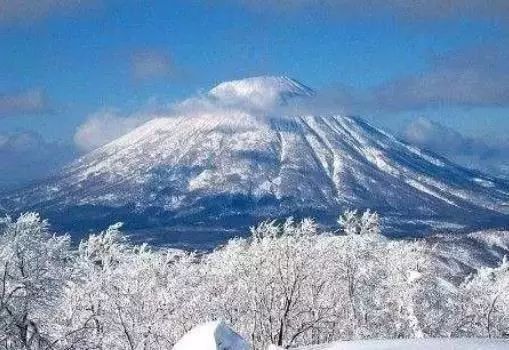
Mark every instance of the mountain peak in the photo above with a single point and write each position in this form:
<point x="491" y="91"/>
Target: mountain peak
<point x="262" y="91"/>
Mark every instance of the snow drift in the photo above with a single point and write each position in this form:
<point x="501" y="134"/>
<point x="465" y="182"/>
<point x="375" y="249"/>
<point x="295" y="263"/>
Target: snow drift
<point x="416" y="344"/>
<point x="212" y="336"/>
<point x="217" y="336"/>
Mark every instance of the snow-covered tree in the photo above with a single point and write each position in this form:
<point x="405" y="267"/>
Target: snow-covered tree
<point x="288" y="284"/>
<point x="34" y="269"/>
<point x="354" y="223"/>
<point x="485" y="302"/>
<point x="125" y="296"/>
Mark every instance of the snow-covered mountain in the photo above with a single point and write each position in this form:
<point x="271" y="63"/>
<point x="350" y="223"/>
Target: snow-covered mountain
<point x="244" y="160"/>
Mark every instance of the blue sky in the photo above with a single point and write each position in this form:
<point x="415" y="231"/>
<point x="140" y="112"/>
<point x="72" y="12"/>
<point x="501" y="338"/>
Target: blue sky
<point x="64" y="62"/>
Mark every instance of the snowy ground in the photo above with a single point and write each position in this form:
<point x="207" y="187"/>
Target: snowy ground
<point x="416" y="344"/>
<point x="212" y="336"/>
<point x="218" y="336"/>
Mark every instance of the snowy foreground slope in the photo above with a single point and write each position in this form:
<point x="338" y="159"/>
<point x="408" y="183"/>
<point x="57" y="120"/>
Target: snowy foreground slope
<point x="235" y="156"/>
<point x="211" y="336"/>
<point x="218" y="336"/>
<point x="416" y="344"/>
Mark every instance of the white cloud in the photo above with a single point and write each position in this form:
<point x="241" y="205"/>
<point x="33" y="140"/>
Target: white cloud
<point x="489" y="156"/>
<point x="476" y="76"/>
<point x="258" y="96"/>
<point x="23" y="103"/>
<point x="470" y="77"/>
<point x="105" y="126"/>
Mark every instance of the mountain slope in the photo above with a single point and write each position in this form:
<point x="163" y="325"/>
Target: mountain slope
<point x="232" y="167"/>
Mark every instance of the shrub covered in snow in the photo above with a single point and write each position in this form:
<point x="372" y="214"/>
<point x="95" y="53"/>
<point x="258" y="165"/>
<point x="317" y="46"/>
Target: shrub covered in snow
<point x="288" y="284"/>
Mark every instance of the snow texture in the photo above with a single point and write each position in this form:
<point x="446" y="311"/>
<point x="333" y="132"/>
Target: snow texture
<point x="211" y="336"/>
<point x="416" y="344"/>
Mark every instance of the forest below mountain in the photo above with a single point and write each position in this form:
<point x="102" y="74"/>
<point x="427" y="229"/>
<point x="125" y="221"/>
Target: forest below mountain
<point x="287" y="284"/>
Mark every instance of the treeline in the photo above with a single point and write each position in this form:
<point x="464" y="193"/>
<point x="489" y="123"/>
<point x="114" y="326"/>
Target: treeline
<point x="287" y="284"/>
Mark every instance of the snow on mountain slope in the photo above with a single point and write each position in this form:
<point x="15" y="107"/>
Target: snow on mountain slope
<point x="232" y="167"/>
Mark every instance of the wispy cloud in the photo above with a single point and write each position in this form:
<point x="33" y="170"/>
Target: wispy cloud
<point x="491" y="156"/>
<point x="472" y="77"/>
<point x="104" y="126"/>
<point x="23" y="103"/>
<point x="469" y="77"/>
<point x="150" y="64"/>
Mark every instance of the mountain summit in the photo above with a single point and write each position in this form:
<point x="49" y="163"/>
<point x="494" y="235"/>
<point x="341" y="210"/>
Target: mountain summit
<point x="261" y="91"/>
<point x="222" y="171"/>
